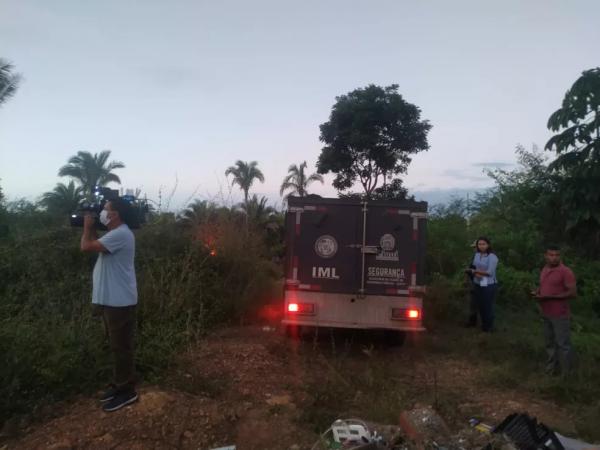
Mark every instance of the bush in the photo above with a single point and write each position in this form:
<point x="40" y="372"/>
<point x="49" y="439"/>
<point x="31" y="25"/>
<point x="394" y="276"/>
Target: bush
<point x="50" y="345"/>
<point x="515" y="286"/>
<point x="446" y="302"/>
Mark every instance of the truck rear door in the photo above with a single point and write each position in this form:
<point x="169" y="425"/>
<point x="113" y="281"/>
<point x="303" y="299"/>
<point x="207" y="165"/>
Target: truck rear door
<point x="391" y="265"/>
<point x="324" y="240"/>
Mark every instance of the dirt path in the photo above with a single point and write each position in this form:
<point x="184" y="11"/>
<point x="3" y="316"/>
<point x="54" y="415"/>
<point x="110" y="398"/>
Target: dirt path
<point x="258" y="390"/>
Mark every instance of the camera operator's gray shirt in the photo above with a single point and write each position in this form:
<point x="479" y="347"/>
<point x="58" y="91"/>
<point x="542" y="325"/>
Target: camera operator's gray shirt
<point x="114" y="273"/>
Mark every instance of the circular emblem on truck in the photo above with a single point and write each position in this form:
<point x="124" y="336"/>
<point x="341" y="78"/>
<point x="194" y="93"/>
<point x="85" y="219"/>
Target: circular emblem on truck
<point x="326" y="246"/>
<point x="387" y="242"/>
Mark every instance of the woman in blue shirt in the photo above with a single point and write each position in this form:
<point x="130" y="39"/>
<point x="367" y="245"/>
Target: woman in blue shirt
<point x="485" y="282"/>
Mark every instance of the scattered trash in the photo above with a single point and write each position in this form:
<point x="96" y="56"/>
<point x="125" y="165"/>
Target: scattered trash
<point x="357" y="434"/>
<point x="480" y="426"/>
<point x="527" y="433"/>
<point x="422" y="428"/>
<point x="350" y="431"/>
<point x="573" y="444"/>
<point x="230" y="447"/>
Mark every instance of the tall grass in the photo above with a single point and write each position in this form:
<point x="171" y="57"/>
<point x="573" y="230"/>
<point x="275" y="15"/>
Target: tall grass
<point x="51" y="347"/>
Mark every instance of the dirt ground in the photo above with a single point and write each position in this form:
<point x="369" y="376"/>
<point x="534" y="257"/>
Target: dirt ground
<point x="254" y="388"/>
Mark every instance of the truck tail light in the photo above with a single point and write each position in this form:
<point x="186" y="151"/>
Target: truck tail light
<point x="406" y="314"/>
<point x="414" y="313"/>
<point x="301" y="308"/>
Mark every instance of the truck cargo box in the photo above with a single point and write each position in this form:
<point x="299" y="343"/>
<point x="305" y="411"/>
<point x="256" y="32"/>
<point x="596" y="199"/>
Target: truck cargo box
<point x="355" y="264"/>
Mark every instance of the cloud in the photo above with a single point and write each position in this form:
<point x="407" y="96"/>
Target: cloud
<point x="444" y="196"/>
<point x="494" y="164"/>
<point x="464" y="175"/>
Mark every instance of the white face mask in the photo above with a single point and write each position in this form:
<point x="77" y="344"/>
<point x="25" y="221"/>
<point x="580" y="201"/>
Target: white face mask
<point x="104" y="220"/>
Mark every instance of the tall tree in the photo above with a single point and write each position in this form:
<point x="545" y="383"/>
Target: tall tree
<point x="371" y="134"/>
<point x="9" y="81"/>
<point x="91" y="170"/>
<point x="63" y="199"/>
<point x="244" y="174"/>
<point x="522" y="210"/>
<point x="297" y="182"/>
<point x="577" y="145"/>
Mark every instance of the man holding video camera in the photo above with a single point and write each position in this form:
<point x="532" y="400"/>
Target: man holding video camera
<point x="114" y="294"/>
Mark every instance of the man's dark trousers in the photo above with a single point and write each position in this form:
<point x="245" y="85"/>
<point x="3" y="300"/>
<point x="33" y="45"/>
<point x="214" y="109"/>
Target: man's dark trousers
<point x="557" y="335"/>
<point x="120" y="327"/>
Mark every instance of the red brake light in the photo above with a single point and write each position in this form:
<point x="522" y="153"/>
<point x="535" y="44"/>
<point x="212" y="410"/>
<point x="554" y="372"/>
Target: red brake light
<point x="406" y="314"/>
<point x="301" y="308"/>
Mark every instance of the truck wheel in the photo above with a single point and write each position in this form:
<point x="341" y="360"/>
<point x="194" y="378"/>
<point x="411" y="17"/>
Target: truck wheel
<point x="394" y="338"/>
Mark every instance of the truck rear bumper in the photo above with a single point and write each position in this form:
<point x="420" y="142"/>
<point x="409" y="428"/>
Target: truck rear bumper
<point x="363" y="326"/>
<point x="319" y="309"/>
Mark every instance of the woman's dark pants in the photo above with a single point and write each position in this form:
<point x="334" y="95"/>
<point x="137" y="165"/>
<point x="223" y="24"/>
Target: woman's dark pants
<point x="486" y="296"/>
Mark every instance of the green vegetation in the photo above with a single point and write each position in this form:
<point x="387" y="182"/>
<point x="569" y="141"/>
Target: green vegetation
<point x="243" y="174"/>
<point x="297" y="181"/>
<point x="577" y="144"/>
<point x="91" y="170"/>
<point x="197" y="270"/>
<point x="521" y="215"/>
<point x="371" y="135"/>
<point x="194" y="272"/>
<point x="9" y="81"/>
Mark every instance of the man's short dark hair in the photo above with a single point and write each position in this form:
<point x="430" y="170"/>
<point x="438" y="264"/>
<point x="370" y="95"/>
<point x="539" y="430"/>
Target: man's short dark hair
<point x="552" y="248"/>
<point x="123" y="208"/>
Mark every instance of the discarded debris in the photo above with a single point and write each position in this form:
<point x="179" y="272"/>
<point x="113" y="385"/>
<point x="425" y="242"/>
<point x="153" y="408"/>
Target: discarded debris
<point x="526" y="433"/>
<point x="357" y="434"/>
<point x="480" y="426"/>
<point x="573" y="444"/>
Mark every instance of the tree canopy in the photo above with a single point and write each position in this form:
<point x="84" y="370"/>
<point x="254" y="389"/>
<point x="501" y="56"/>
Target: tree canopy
<point x="244" y="174"/>
<point x="9" y="81"/>
<point x="91" y="170"/>
<point x="63" y="199"/>
<point x="371" y="134"/>
<point x="577" y="145"/>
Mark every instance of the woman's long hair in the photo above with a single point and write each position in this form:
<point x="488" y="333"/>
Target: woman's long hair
<point x="486" y="240"/>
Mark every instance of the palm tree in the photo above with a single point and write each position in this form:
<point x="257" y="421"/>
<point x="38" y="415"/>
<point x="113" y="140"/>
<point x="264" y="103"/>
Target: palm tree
<point x="199" y="212"/>
<point x="63" y="199"/>
<point x="91" y="170"/>
<point x="297" y="182"/>
<point x="244" y="174"/>
<point x="257" y="211"/>
<point x="9" y="81"/>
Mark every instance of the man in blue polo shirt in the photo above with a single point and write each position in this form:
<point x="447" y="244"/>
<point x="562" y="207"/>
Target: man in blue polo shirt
<point x="114" y="295"/>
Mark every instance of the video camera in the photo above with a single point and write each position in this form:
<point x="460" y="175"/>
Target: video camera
<point x="136" y="216"/>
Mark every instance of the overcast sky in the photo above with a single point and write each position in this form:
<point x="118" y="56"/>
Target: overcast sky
<point x="182" y="89"/>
